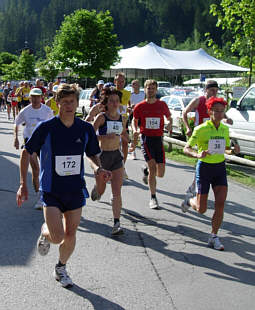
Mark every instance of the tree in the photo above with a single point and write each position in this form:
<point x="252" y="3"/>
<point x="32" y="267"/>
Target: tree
<point x="10" y="72"/>
<point x="5" y="59"/>
<point x="238" y="18"/>
<point x="85" y="43"/>
<point x="46" y="67"/>
<point x="26" y="66"/>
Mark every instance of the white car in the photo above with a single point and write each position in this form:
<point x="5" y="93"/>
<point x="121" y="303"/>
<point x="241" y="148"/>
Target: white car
<point x="84" y="101"/>
<point x="243" y="115"/>
<point x="176" y="105"/>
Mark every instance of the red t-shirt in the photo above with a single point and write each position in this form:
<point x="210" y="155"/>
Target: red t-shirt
<point x="151" y="116"/>
<point x="201" y="112"/>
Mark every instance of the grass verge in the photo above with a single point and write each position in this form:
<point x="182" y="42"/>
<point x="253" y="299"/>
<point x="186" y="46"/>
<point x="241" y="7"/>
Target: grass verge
<point x="234" y="174"/>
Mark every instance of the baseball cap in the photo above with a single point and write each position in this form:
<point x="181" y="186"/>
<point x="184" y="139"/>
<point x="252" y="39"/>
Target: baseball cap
<point x="100" y="82"/>
<point x="35" y="92"/>
<point x="211" y="84"/>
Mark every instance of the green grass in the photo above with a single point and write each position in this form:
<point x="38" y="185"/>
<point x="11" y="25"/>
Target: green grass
<point x="234" y="174"/>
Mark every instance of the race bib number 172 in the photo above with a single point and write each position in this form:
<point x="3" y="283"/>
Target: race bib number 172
<point x="68" y="165"/>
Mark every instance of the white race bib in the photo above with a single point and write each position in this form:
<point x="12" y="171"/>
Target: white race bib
<point x="26" y="95"/>
<point x="152" y="123"/>
<point x="216" y="146"/>
<point x="114" y="127"/>
<point x="68" y="165"/>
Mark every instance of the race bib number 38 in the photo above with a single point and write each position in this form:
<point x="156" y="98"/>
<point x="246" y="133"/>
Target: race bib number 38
<point x="216" y="146"/>
<point x="152" y="122"/>
<point x="68" y="165"/>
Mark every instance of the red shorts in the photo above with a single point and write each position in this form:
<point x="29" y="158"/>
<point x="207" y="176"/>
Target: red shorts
<point x="14" y="103"/>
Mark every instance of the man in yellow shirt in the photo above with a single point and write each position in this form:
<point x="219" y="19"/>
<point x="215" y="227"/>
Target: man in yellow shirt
<point x="119" y="82"/>
<point x="23" y="92"/>
<point x="51" y="103"/>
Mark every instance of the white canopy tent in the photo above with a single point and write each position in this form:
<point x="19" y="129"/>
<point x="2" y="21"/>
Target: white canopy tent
<point x="154" y="61"/>
<point x="220" y="81"/>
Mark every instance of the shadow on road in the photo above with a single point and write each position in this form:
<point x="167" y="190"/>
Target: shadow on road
<point x="19" y="227"/>
<point x="98" y="302"/>
<point x="145" y="240"/>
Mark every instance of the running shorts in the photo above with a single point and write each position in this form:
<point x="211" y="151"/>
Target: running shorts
<point x="153" y="148"/>
<point x="64" y="201"/>
<point x="111" y="160"/>
<point x="210" y="174"/>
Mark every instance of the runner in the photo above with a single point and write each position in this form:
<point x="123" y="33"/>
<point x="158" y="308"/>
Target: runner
<point x="198" y="105"/>
<point x="150" y="113"/>
<point x="51" y="103"/>
<point x="14" y="102"/>
<point x="7" y="99"/>
<point x="110" y="127"/>
<point x="32" y="115"/>
<point x="95" y="95"/>
<point x="62" y="142"/>
<point x="19" y="95"/>
<point x="24" y="93"/>
<point x="212" y="140"/>
<point x="119" y="82"/>
<point x="2" y="107"/>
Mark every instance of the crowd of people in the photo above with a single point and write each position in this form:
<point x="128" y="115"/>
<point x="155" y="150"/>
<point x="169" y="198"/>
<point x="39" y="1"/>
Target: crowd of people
<point x="111" y="130"/>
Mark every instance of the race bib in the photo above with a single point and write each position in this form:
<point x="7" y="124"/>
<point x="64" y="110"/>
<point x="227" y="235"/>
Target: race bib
<point x="216" y="146"/>
<point x="152" y="123"/>
<point x="68" y="165"/>
<point x="114" y="127"/>
<point x="14" y="99"/>
<point x="26" y="95"/>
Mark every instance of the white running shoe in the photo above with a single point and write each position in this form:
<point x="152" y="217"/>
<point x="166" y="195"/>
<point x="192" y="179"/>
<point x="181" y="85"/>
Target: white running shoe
<point x="38" y="205"/>
<point x="62" y="276"/>
<point x="154" y="203"/>
<point x="192" y="189"/>
<point x="94" y="194"/>
<point x="117" y="230"/>
<point x="43" y="245"/>
<point x="185" y="204"/>
<point x="214" y="243"/>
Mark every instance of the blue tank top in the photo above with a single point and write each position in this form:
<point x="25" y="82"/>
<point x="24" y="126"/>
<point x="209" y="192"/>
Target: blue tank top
<point x="111" y="126"/>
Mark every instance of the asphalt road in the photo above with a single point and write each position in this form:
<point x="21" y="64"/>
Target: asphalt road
<point x="162" y="262"/>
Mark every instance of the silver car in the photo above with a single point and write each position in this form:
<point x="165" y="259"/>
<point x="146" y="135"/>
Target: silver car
<point x="84" y="101"/>
<point x="176" y="105"/>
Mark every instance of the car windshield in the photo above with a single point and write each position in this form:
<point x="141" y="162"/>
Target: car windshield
<point x="187" y="100"/>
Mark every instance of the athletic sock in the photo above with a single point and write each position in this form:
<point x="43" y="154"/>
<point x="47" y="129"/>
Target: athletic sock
<point x="59" y="264"/>
<point x="116" y="221"/>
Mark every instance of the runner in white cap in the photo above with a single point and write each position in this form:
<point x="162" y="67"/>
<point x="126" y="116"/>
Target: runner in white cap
<point x="32" y="115"/>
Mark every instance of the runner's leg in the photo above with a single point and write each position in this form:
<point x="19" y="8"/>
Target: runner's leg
<point x="220" y="194"/>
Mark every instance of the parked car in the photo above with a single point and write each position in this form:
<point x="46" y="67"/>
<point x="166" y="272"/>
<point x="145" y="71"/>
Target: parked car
<point x="164" y="84"/>
<point x="163" y="91"/>
<point x="176" y="105"/>
<point x="84" y="102"/>
<point x="242" y="113"/>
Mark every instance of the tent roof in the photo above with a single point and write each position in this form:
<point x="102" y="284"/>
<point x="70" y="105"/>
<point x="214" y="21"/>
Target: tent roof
<point x="220" y="81"/>
<point x="172" y="62"/>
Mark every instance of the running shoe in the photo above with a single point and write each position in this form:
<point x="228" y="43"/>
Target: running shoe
<point x="38" y="205"/>
<point x="62" y="276"/>
<point x="185" y="204"/>
<point x="117" y="230"/>
<point x="192" y="189"/>
<point x="154" y="203"/>
<point x="43" y="245"/>
<point x="94" y="194"/>
<point x="214" y="243"/>
<point x="145" y="174"/>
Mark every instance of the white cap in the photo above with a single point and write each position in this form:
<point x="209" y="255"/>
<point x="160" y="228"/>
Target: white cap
<point x="35" y="92"/>
<point x="100" y="82"/>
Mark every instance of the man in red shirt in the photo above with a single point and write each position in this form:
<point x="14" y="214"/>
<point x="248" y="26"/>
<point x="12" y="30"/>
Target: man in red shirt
<point x="150" y="114"/>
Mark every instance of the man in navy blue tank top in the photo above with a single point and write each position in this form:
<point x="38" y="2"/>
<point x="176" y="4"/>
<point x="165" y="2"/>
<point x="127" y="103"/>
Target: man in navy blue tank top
<point x="62" y="141"/>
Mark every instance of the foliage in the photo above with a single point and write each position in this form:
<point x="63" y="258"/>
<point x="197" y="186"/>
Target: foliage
<point x="9" y="71"/>
<point x="85" y="43"/>
<point x="26" y="66"/>
<point x="46" y="67"/>
<point x="237" y="18"/>
<point x="5" y="59"/>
